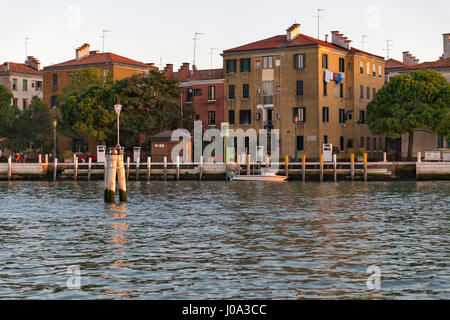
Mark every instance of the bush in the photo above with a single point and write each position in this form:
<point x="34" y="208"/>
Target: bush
<point x="68" y="155"/>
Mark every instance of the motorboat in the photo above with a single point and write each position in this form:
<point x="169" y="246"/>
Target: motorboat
<point x="266" y="176"/>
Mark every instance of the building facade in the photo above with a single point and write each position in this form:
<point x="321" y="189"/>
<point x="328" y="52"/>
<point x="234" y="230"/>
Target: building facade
<point x="315" y="92"/>
<point x="24" y="80"/>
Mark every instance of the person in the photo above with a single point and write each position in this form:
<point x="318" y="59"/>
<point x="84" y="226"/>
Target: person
<point x="17" y="157"/>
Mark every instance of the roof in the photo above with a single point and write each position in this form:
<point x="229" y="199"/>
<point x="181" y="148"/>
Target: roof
<point x="22" y="68"/>
<point x="210" y="74"/>
<point x="99" y="58"/>
<point x="395" y="64"/>
<point x="441" y="63"/>
<point x="164" y="135"/>
<point x="280" y="41"/>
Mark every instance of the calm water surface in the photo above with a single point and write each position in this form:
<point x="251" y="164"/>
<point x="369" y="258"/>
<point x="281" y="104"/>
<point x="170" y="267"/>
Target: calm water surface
<point x="218" y="240"/>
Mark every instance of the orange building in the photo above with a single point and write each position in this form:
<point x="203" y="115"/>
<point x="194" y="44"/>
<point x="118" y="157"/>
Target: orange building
<point x="57" y="76"/>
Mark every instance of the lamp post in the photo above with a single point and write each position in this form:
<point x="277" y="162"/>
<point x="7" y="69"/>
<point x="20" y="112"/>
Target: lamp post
<point x="118" y="108"/>
<point x="55" y="123"/>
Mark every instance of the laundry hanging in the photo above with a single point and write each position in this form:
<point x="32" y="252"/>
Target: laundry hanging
<point x="328" y="76"/>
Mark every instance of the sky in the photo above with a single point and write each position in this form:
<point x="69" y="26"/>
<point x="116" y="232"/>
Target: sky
<point x="155" y="31"/>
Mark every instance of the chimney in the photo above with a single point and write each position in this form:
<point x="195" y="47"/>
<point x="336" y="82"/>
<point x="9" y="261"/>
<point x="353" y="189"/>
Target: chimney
<point x="293" y="32"/>
<point x="446" y="45"/>
<point x="6" y="67"/>
<point x="183" y="72"/>
<point x="168" y="71"/>
<point x="408" y="58"/>
<point x="326" y="38"/>
<point x="33" y="63"/>
<point x="338" y="39"/>
<point x="82" y="51"/>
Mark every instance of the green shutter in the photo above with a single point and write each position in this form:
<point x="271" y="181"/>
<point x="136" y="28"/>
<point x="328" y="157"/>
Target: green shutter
<point x="304" y="60"/>
<point x="295" y="61"/>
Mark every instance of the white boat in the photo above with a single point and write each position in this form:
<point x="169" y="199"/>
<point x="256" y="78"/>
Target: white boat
<point x="266" y="177"/>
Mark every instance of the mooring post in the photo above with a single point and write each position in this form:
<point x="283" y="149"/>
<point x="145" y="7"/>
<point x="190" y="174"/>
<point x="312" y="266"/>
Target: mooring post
<point x="55" y="169"/>
<point x="110" y="176"/>
<point x="335" y="168"/>
<point x="239" y="164"/>
<point x="121" y="176"/>
<point x="128" y="168"/>
<point x="75" y="169"/>
<point x="365" y="167"/>
<point x="286" y="168"/>
<point x="40" y="158"/>
<point x="46" y="159"/>
<point x="352" y="167"/>
<point x="165" y="168"/>
<point x="9" y="168"/>
<point x="304" y="168"/>
<point x="149" y="168"/>
<point x="267" y="161"/>
<point x="249" y="165"/>
<point x="138" y="165"/>
<point x="178" y="168"/>
<point x="227" y="168"/>
<point x="201" y="168"/>
<point x="385" y="157"/>
<point x="321" y="168"/>
<point x="89" y="168"/>
<point x="419" y="157"/>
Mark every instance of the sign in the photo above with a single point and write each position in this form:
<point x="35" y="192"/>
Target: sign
<point x="225" y="129"/>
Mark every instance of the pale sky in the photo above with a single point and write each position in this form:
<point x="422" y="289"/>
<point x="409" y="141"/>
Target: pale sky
<point x="150" y="30"/>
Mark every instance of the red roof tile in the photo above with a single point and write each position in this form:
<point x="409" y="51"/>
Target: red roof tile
<point x="395" y="64"/>
<point x="441" y="63"/>
<point x="98" y="58"/>
<point x="269" y="43"/>
<point x="22" y="68"/>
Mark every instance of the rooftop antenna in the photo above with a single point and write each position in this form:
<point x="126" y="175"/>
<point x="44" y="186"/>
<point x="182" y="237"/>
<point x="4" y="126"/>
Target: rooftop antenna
<point x="388" y="47"/>
<point x="195" y="45"/>
<point x="318" y="21"/>
<point x="363" y="41"/>
<point x="26" y="46"/>
<point x="212" y="53"/>
<point x="104" y="36"/>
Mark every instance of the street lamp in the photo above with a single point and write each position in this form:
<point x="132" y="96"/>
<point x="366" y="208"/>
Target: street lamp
<point x="55" y="123"/>
<point x="118" y="108"/>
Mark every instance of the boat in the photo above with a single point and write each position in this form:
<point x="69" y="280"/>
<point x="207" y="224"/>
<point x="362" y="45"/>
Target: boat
<point x="265" y="177"/>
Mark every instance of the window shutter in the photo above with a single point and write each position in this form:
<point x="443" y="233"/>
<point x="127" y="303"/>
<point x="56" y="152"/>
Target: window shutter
<point x="295" y="61"/>
<point x="303" y="60"/>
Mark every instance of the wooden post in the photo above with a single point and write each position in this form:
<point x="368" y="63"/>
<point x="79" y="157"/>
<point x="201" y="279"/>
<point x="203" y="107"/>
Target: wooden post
<point x="46" y="159"/>
<point x="201" y="168"/>
<point x="227" y="169"/>
<point x="352" y="167"/>
<point x="419" y="157"/>
<point x="304" y="168"/>
<point x="75" y="169"/>
<point x="165" y="168"/>
<point x="335" y="167"/>
<point x="40" y="159"/>
<point x="121" y="176"/>
<point x="178" y="168"/>
<point x="239" y="164"/>
<point x="9" y="168"/>
<point x="385" y="157"/>
<point x="365" y="167"/>
<point x="128" y="168"/>
<point x="321" y="168"/>
<point x="89" y="168"/>
<point x="149" y="168"/>
<point x="138" y="165"/>
<point x="286" y="169"/>
<point x="249" y="165"/>
<point x="268" y="161"/>
<point x="55" y="169"/>
<point x="110" y="176"/>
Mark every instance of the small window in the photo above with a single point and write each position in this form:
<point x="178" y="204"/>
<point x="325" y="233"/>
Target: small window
<point x="15" y="102"/>
<point x="374" y="92"/>
<point x="342" y="116"/>
<point x="246" y="91"/>
<point x="299" y="87"/>
<point x="326" y="114"/>
<point x="361" y="67"/>
<point x="25" y="85"/>
<point x="258" y="116"/>
<point x="325" y="61"/>
<point x="14" y="87"/>
<point x="231" y="116"/>
<point x="267" y="62"/>
<point x="55" y="79"/>
<point x="361" y="92"/>
<point x="341" y="91"/>
<point x="325" y="139"/>
<point x="54" y="102"/>
<point x="300" y="143"/>
<point x="231" y="66"/>
<point x="380" y="71"/>
<point x="368" y="68"/>
<point x="245" y="117"/>
<point x="299" y="115"/>
<point x="368" y="93"/>
<point x="341" y="144"/>
<point x="361" y="143"/>
<point x="245" y="65"/>
<point x="341" y="65"/>
<point x="231" y="90"/>
<point x="374" y="70"/>
<point x="25" y="104"/>
<point x="325" y="91"/>
<point x="211" y="118"/>
<point x="211" y="93"/>
<point x="362" y="117"/>
<point x="197" y="92"/>
<point x="350" y="143"/>
<point x="368" y="144"/>
<point x="299" y="61"/>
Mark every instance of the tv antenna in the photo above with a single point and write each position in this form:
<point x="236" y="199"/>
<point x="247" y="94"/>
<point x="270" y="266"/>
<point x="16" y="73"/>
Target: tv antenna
<point x="196" y="38"/>
<point x="318" y="21"/>
<point x="104" y="32"/>
<point x="388" y="47"/>
<point x="363" y="41"/>
<point x="26" y="46"/>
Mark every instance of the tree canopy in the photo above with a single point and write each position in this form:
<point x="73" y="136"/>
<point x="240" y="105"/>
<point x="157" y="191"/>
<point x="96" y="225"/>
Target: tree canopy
<point x="419" y="100"/>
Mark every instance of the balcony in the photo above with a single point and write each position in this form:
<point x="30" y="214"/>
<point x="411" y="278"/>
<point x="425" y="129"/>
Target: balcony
<point x="268" y="100"/>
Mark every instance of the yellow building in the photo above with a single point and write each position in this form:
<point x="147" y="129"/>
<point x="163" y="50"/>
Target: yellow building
<point x="315" y="92"/>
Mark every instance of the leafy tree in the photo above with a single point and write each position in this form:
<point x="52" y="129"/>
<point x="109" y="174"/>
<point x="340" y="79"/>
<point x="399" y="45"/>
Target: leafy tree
<point x="419" y="100"/>
<point x="8" y="113"/>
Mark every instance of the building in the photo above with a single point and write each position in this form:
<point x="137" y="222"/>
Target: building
<point x="424" y="140"/>
<point x="315" y="92"/>
<point x="57" y="76"/>
<point x="24" y="80"/>
<point x="204" y="92"/>
<point x="162" y="147"/>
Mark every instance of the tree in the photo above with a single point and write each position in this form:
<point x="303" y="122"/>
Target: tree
<point x="8" y="113"/>
<point x="419" y="100"/>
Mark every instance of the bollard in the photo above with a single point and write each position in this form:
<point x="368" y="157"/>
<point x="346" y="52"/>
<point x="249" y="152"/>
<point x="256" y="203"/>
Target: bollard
<point x="75" y="169"/>
<point x="46" y="159"/>
<point x="201" y="169"/>
<point x="121" y="176"/>
<point x="227" y="169"/>
<point x="239" y="165"/>
<point x="286" y="169"/>
<point x="9" y="168"/>
<point x="268" y="161"/>
<point x="165" y="168"/>
<point x="178" y="168"/>
<point x="365" y="166"/>
<point x="249" y="165"/>
<point x="419" y="157"/>
<point x="89" y="168"/>
<point x="110" y="176"/>
<point x="321" y="168"/>
<point x="304" y="168"/>
<point x="149" y="168"/>
<point x="55" y="169"/>
<point x="335" y="167"/>
<point x="352" y="167"/>
<point x="40" y="159"/>
<point x="138" y="164"/>
<point x="385" y="157"/>
<point x="128" y="168"/>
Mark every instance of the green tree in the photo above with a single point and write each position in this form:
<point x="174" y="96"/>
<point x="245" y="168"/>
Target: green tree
<point x="8" y="114"/>
<point x="419" y="100"/>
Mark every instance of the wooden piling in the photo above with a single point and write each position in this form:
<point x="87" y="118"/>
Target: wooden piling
<point x="352" y="167"/>
<point x="149" y="168"/>
<point x="89" y="168"/>
<point x="110" y="176"/>
<point x="201" y="169"/>
<point x="321" y="168"/>
<point x="40" y="159"/>
<point x="9" y="168"/>
<point x="165" y="168"/>
<point x="46" y="159"/>
<point x="178" y="168"/>
<point x="419" y="157"/>
<point x="138" y="165"/>
<point x="286" y="168"/>
<point x="121" y="177"/>
<point x="239" y="164"/>
<point x="335" y="168"/>
<point x="385" y="157"/>
<point x="365" y="167"/>
<point x="267" y="161"/>
<point x="227" y="168"/>
<point x="249" y="165"/>
<point x="55" y="169"/>
<point x="128" y="168"/>
<point x="75" y="169"/>
<point x="304" y="168"/>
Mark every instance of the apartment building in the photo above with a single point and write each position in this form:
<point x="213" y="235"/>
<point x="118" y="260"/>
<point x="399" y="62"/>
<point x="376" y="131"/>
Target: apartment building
<point x="315" y="92"/>
<point x="24" y="80"/>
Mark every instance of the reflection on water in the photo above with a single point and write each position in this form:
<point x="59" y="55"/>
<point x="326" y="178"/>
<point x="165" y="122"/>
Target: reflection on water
<point x="214" y="240"/>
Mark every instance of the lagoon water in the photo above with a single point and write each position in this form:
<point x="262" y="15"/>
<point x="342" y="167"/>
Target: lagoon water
<point x="218" y="240"/>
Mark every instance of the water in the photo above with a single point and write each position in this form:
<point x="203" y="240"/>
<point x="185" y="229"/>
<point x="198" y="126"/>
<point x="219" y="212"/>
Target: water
<point x="218" y="240"/>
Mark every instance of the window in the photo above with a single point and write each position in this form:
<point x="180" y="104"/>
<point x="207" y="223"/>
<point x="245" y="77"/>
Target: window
<point x="368" y="93"/>
<point x="14" y="87"/>
<point x="268" y="92"/>
<point x="277" y="62"/>
<point x="361" y="143"/>
<point x="197" y="92"/>
<point x="350" y="143"/>
<point x="189" y="95"/>
<point x="299" y="61"/>
<point x="211" y="118"/>
<point x="16" y="102"/>
<point x="374" y="144"/>
<point x="25" y="85"/>
<point x="299" y="87"/>
<point x="231" y="66"/>
<point x="325" y="61"/>
<point x="342" y="144"/>
<point x="211" y="93"/>
<point x="300" y="143"/>
<point x="374" y="92"/>
<point x="325" y="91"/>
<point x="231" y="95"/>
<point x="361" y="92"/>
<point x="258" y="116"/>
<point x="326" y="114"/>
<point x="38" y="86"/>
<point x="55" y="80"/>
<point x="368" y="144"/>
<point x="374" y="70"/>
<point x="341" y="91"/>
<point x="299" y="115"/>
<point x="258" y="64"/>
<point x="380" y="71"/>
<point x="25" y="104"/>
<point x="54" y="102"/>
<point x="267" y="62"/>
<point x="361" y="67"/>
<point x="325" y="139"/>
<point x="380" y="144"/>
<point x="342" y="116"/>
<point x="245" y="117"/>
<point x="362" y="117"/>
<point x="231" y="117"/>
<point x="341" y="65"/>
<point x="440" y="144"/>
<point x="245" y="91"/>
<point x="368" y="68"/>
<point x="245" y="65"/>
